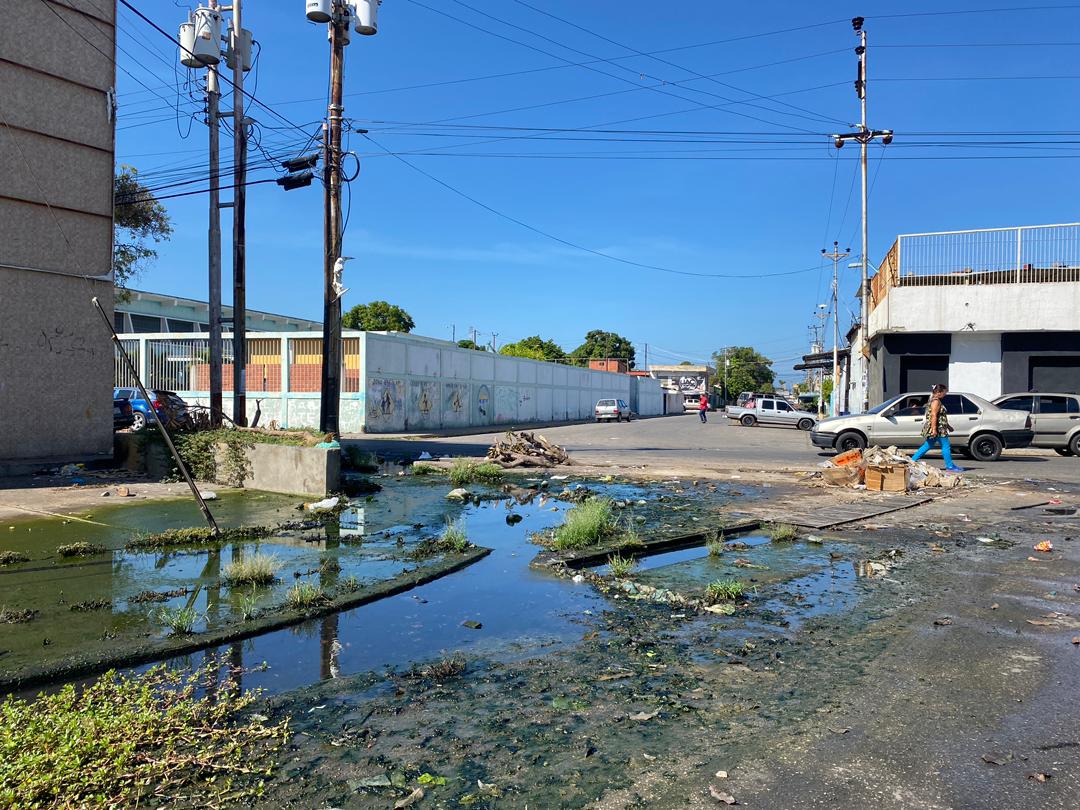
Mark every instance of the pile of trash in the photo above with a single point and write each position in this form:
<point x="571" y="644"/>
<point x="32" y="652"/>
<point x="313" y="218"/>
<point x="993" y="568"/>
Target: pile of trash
<point x="884" y="470"/>
<point x="527" y="450"/>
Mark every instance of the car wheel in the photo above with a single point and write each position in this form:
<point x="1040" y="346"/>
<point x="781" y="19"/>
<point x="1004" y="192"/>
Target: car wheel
<point x="748" y="421"/>
<point x="1064" y="451"/>
<point x="139" y="422"/>
<point x="805" y="424"/>
<point x="985" y="447"/>
<point x="850" y="440"/>
<point x="1074" y="444"/>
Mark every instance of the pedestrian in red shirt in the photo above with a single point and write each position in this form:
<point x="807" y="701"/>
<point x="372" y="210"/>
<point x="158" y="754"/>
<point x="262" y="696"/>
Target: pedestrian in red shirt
<point x="703" y="407"/>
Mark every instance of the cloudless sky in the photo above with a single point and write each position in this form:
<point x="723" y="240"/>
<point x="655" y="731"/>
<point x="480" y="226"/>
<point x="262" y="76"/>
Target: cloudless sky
<point x="759" y="193"/>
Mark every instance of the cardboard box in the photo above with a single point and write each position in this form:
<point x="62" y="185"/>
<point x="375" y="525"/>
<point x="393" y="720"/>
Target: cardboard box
<point x="886" y="478"/>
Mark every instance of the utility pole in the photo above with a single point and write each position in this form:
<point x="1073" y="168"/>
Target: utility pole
<point x="239" y="309"/>
<point x="213" y="98"/>
<point x="494" y="345"/>
<point x="329" y="406"/>
<point x="836" y="256"/>
<point x="863" y="136"/>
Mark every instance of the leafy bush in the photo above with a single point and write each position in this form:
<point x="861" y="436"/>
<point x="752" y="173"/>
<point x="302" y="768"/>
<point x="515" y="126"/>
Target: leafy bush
<point x="134" y="740"/>
<point x="199" y="452"/>
<point x="585" y="525"/>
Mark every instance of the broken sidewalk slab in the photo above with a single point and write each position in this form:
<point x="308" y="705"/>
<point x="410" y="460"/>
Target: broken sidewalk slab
<point x="828" y="517"/>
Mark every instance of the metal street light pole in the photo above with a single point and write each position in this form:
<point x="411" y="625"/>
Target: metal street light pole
<point x="836" y="256"/>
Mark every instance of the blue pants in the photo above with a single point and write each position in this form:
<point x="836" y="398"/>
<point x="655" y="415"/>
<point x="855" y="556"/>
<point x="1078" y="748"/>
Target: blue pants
<point x="702" y="412"/>
<point x="934" y="441"/>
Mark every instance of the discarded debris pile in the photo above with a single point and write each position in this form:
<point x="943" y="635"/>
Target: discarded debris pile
<point x="527" y="450"/>
<point x="883" y="470"/>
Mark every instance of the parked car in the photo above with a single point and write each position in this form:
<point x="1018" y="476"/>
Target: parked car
<point x="980" y="428"/>
<point x="1055" y="419"/>
<point x="608" y="409"/>
<point x="122" y="415"/>
<point x="770" y="410"/>
<point x="165" y="406"/>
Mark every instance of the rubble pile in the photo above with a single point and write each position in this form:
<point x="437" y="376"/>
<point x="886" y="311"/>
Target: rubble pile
<point x="884" y="470"/>
<point x="527" y="450"/>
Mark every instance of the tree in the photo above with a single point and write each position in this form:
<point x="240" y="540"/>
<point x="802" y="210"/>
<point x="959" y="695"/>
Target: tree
<point x="471" y="344"/>
<point x="602" y="345"/>
<point x="686" y="363"/>
<point x="535" y="347"/>
<point x="138" y="217"/>
<point x="378" y="316"/>
<point x="747" y="370"/>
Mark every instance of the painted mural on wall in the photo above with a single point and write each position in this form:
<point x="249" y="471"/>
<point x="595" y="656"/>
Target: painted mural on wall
<point x="506" y="402"/>
<point x="423" y="404"/>
<point x="386" y="404"/>
<point x="455" y="405"/>
<point x="483" y="403"/>
<point x="526" y="404"/>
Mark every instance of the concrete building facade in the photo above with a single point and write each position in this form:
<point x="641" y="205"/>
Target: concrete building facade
<point x="56" y="159"/>
<point x="987" y="312"/>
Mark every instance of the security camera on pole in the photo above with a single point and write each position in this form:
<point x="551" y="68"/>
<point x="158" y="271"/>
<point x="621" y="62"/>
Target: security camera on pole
<point x="339" y="15"/>
<point x="864" y="135"/>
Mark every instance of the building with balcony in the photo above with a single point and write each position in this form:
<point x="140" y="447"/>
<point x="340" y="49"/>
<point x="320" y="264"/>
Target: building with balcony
<point x="985" y="311"/>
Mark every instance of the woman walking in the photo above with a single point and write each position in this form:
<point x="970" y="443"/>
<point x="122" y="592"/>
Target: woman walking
<point x="936" y="429"/>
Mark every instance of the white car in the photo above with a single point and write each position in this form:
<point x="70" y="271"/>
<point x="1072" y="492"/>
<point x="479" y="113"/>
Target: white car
<point x="612" y="409"/>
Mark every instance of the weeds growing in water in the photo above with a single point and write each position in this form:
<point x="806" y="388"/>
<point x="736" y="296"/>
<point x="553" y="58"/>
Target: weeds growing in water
<point x="631" y="538"/>
<point x="92" y="604"/>
<point x="258" y="569"/>
<point x="585" y="525"/>
<point x="12" y="557"/>
<point x="470" y="471"/>
<point x="716" y="546"/>
<point x="195" y="536"/>
<point x="723" y="590"/>
<point x="330" y="566"/>
<point x="440" y="670"/>
<point x="304" y="595"/>
<point x="136" y="740"/>
<point x="8" y="616"/>
<point x="80" y="549"/>
<point x="247" y="604"/>
<point x="621" y="566"/>
<point x="350" y="585"/>
<point x="453" y="539"/>
<point x="181" y="621"/>
<point x="420" y="468"/>
<point x="783" y="532"/>
<point x="156" y="596"/>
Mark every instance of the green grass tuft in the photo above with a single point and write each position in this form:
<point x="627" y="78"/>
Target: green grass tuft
<point x="421" y="468"/>
<point x="181" y="621"/>
<point x="304" y="595"/>
<point x="716" y="547"/>
<point x="621" y="566"/>
<point x="723" y="590"/>
<point x="783" y="532"/>
<point x="258" y="569"/>
<point x="585" y="525"/>
<point x="472" y="471"/>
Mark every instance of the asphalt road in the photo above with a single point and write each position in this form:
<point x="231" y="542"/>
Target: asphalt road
<point x="682" y="441"/>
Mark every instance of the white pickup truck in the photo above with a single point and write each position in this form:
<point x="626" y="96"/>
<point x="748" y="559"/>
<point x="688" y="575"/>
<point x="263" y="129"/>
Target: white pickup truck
<point x="770" y="411"/>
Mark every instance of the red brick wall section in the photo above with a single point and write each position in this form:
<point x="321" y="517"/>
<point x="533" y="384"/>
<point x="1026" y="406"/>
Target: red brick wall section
<point x="260" y="377"/>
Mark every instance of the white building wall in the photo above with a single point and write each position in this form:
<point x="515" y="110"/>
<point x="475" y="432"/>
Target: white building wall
<point x="1050" y="307"/>
<point x="975" y="363"/>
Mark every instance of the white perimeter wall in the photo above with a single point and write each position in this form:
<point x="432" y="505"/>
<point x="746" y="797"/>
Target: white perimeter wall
<point x="414" y="383"/>
<point x="975" y="363"/>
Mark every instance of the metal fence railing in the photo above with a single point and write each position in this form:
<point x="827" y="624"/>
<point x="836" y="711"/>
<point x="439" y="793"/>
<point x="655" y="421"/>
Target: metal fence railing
<point x="175" y="363"/>
<point x="1026" y="254"/>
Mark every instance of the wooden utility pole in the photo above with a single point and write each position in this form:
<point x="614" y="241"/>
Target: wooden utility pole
<point x="239" y="312"/>
<point x="330" y="402"/>
<point x="213" y="98"/>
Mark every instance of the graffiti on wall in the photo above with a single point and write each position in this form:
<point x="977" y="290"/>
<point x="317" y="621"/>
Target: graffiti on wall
<point x="506" y="403"/>
<point x="455" y="403"/>
<point x="483" y="401"/>
<point x="423" y="404"/>
<point x="385" y="402"/>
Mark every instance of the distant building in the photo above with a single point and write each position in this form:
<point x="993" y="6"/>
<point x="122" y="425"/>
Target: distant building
<point x="988" y="312"/>
<point x="690" y="381"/>
<point x="153" y="312"/>
<point x="57" y="91"/>
<point x="618" y="365"/>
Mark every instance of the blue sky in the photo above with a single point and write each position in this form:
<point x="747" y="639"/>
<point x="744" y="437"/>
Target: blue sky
<point x="757" y="190"/>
